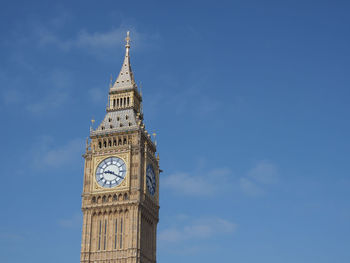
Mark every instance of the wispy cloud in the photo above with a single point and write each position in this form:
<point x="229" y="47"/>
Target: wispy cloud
<point x="98" y="43"/>
<point x="256" y="180"/>
<point x="55" y="92"/>
<point x="54" y="97"/>
<point x="13" y="237"/>
<point x="73" y="221"/>
<point x="199" y="228"/>
<point x="83" y="39"/>
<point x="197" y="184"/>
<point x="98" y="95"/>
<point x="48" y="155"/>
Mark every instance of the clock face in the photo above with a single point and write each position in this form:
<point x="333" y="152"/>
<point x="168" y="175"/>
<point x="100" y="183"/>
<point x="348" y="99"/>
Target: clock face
<point x="150" y="179"/>
<point x="110" y="172"/>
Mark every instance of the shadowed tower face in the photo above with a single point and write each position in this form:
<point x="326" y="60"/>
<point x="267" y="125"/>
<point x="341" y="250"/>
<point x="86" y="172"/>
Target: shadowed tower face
<point x="120" y="200"/>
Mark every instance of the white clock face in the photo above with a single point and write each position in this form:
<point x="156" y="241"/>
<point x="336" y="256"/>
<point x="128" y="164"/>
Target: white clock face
<point x="150" y="179"/>
<point x="110" y="172"/>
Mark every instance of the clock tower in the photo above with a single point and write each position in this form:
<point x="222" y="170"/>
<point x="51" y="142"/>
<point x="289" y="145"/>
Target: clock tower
<point x="120" y="199"/>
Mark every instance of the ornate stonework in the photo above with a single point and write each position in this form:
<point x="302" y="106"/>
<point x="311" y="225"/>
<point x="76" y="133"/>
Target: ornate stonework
<point x="120" y="211"/>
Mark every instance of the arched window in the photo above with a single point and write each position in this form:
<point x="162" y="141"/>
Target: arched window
<point x="114" y="142"/>
<point x="113" y="102"/>
<point x="109" y="143"/>
<point x="120" y="141"/>
<point x="99" y="144"/>
<point x="124" y="141"/>
<point x="104" y="144"/>
<point x="99" y="236"/>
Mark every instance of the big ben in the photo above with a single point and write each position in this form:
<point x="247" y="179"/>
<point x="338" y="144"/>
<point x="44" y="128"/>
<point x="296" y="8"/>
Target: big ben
<point x="120" y="199"/>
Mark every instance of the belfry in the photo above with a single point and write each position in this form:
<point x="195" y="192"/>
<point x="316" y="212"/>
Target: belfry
<point x="120" y="199"/>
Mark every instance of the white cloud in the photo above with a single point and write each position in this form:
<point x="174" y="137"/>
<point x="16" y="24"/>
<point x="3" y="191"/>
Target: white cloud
<point x="197" y="184"/>
<point x="49" y="102"/>
<point x="264" y="172"/>
<point x="46" y="155"/>
<point x="84" y="39"/>
<point x="250" y="188"/>
<point x="58" y="83"/>
<point x="74" y="221"/>
<point x="201" y="183"/>
<point x="97" y="43"/>
<point x="98" y="95"/>
<point x="11" y="237"/>
<point x="203" y="228"/>
<point x="55" y="89"/>
<point x="256" y="180"/>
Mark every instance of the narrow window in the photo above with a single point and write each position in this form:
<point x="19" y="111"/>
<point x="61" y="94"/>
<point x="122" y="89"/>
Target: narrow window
<point x="116" y="234"/>
<point x="99" y="236"/>
<point x="110" y="142"/>
<point x="99" y="145"/>
<point x="126" y="117"/>
<point x="117" y="102"/>
<point x="104" y="238"/>
<point x="124" y="141"/>
<point x="114" y="142"/>
<point x="128" y="101"/>
<point x="120" y="141"/>
<point x="121" y="233"/>
<point x="113" y="102"/>
<point x="124" y="101"/>
<point x="104" y="143"/>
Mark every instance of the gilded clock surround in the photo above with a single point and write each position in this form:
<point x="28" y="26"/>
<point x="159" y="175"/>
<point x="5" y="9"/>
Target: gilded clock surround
<point x="125" y="183"/>
<point x="120" y="223"/>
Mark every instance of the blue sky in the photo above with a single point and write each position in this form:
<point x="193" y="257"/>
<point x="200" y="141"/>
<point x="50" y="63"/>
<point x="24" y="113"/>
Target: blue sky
<point x="250" y="100"/>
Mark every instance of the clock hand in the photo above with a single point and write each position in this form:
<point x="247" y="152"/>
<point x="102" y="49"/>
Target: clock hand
<point x="111" y="172"/>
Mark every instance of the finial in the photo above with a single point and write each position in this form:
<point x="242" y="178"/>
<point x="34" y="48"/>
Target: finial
<point x="154" y="137"/>
<point x="92" y="124"/>
<point x="127" y="39"/>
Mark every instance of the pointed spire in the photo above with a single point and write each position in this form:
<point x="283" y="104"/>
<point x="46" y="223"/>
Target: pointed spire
<point x="125" y="79"/>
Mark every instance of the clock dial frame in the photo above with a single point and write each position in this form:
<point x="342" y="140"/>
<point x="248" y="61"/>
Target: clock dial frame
<point x="151" y="180"/>
<point x="110" y="172"/>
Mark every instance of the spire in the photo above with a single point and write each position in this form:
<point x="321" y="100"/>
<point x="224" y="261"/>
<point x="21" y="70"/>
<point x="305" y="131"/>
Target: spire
<point x="125" y="79"/>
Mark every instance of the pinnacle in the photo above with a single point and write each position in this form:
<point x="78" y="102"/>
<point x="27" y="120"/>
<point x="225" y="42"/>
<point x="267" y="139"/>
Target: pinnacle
<point x="125" y="79"/>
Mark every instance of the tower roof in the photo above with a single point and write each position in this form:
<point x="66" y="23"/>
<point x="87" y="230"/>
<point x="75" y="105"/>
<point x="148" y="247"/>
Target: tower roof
<point x="125" y="79"/>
